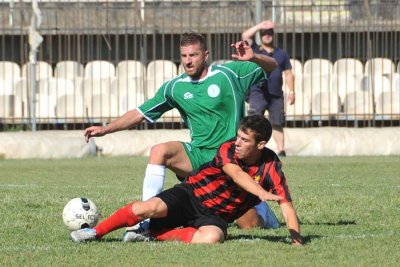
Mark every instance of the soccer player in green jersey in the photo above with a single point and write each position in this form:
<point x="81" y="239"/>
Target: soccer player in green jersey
<point x="210" y="100"/>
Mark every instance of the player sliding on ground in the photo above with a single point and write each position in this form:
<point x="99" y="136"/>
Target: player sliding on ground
<point x="211" y="101"/>
<point x="242" y="174"/>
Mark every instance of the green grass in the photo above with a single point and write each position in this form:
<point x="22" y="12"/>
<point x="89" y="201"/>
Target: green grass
<point x="348" y="207"/>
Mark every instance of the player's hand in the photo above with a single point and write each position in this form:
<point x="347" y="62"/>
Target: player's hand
<point x="243" y="51"/>
<point x="93" y="132"/>
<point x="297" y="242"/>
<point x="265" y="196"/>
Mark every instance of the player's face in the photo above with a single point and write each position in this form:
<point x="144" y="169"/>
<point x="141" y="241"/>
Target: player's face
<point x="193" y="60"/>
<point x="246" y="146"/>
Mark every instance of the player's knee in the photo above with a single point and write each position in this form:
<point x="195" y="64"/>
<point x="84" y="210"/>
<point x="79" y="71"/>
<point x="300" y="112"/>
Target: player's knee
<point x="147" y="209"/>
<point x="248" y="225"/>
<point x="208" y="236"/>
<point x="159" y="151"/>
<point x="215" y="238"/>
<point x="249" y="221"/>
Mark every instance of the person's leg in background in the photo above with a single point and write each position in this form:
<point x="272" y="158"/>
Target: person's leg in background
<point x="276" y="112"/>
<point x="256" y="100"/>
<point x="279" y="137"/>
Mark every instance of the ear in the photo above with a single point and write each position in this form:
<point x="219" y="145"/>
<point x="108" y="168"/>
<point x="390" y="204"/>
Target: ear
<point x="206" y="54"/>
<point x="261" y="145"/>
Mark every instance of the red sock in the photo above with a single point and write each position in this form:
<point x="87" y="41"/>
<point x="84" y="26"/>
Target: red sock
<point x="121" y="218"/>
<point x="184" y="235"/>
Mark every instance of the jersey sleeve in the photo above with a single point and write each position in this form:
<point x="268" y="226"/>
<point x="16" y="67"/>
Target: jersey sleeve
<point x="286" y="65"/>
<point x="155" y="107"/>
<point x="279" y="185"/>
<point x="225" y="154"/>
<point x="247" y="73"/>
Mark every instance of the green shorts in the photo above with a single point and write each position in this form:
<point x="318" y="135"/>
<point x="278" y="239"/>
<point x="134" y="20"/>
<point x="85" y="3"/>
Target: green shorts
<point x="197" y="155"/>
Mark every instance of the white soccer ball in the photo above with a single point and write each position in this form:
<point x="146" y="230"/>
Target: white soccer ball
<point x="80" y="213"/>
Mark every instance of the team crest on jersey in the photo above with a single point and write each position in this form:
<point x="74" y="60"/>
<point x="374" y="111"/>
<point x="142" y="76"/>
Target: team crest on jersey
<point x="213" y="90"/>
<point x="257" y="178"/>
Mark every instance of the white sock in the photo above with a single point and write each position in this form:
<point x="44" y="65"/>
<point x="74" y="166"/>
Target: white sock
<point x="153" y="181"/>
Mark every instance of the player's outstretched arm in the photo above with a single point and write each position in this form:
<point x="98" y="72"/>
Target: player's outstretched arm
<point x="126" y="121"/>
<point x="244" y="180"/>
<point x="289" y="213"/>
<point x="243" y="52"/>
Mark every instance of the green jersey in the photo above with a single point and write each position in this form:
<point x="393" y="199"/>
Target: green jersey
<point x="211" y="107"/>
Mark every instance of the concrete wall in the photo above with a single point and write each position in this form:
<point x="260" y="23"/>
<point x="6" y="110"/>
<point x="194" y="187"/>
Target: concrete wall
<point x="326" y="141"/>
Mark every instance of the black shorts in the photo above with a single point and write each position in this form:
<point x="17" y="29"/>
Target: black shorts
<point x="185" y="210"/>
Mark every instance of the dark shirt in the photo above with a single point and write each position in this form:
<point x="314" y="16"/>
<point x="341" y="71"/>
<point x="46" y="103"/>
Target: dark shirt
<point x="275" y="80"/>
<point x="222" y="196"/>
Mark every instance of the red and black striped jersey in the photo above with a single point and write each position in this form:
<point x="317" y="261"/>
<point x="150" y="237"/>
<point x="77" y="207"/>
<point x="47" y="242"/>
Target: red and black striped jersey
<point x="220" y="194"/>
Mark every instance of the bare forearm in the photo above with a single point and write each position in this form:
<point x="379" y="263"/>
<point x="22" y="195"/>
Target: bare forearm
<point x="250" y="32"/>
<point x="243" y="180"/>
<point x="290" y="82"/>
<point x="129" y="119"/>
<point x="247" y="183"/>
<point x="267" y="63"/>
<point x="294" y="228"/>
<point x="126" y="121"/>
<point x="290" y="215"/>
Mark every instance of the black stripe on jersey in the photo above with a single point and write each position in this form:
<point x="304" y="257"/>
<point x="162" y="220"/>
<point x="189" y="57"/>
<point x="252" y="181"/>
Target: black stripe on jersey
<point x="283" y="182"/>
<point x="247" y="203"/>
<point x="225" y="151"/>
<point x="267" y="182"/>
<point x="216" y="192"/>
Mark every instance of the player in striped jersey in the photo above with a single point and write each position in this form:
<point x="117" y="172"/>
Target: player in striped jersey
<point x="210" y="100"/>
<point x="242" y="174"/>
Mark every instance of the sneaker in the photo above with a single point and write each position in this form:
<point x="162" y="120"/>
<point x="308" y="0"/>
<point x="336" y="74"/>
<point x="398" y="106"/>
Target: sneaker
<point x="282" y="153"/>
<point x="83" y="235"/>
<point x="138" y="234"/>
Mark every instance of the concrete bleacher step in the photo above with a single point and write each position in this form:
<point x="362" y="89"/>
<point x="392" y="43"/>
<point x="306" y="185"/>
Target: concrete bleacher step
<point x="314" y="12"/>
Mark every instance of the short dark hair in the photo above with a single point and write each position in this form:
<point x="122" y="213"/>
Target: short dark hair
<point x="191" y="38"/>
<point x="259" y="125"/>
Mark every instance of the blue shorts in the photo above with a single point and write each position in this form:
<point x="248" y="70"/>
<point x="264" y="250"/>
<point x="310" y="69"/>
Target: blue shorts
<point x="260" y="101"/>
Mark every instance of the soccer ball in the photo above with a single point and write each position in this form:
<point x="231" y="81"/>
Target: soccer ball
<point x="80" y="213"/>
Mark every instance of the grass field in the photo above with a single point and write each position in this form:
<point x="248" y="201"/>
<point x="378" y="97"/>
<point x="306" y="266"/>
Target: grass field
<point x="348" y="207"/>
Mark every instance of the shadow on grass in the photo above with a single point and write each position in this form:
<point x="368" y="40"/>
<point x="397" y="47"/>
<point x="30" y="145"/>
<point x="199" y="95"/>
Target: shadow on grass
<point x="338" y="223"/>
<point x="112" y="240"/>
<point x="276" y="239"/>
<point x="282" y="239"/>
